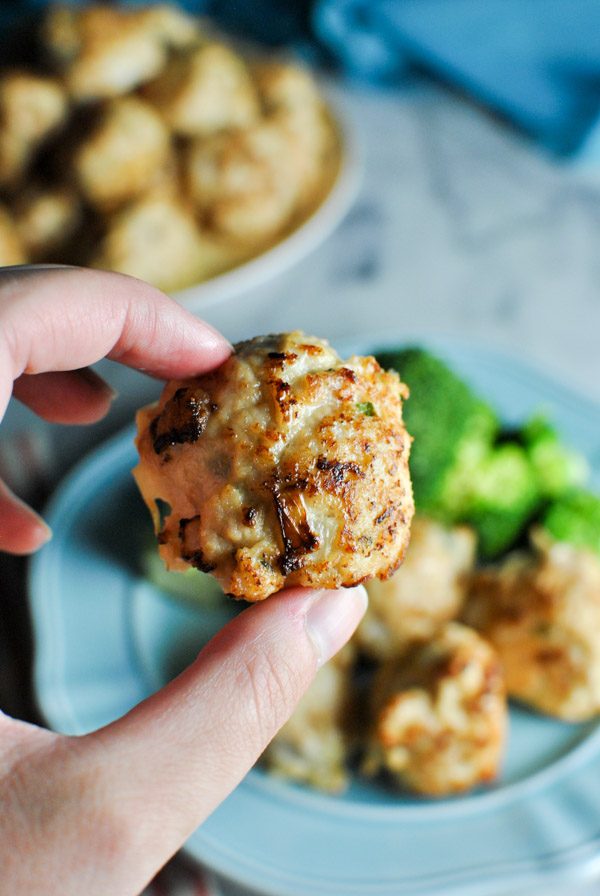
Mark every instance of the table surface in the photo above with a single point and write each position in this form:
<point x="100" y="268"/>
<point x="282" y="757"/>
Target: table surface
<point x="461" y="228"/>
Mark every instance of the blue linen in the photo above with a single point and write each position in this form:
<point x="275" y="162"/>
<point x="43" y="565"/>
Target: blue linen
<point x="537" y="62"/>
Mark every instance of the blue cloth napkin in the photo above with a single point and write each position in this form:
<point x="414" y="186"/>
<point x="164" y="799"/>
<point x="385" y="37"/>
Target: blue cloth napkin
<point x="537" y="62"/>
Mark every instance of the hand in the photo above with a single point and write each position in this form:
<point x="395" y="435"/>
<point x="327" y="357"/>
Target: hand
<point x="102" y="813"/>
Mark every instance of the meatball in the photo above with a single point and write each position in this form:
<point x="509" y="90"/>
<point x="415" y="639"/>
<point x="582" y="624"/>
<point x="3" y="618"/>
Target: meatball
<point x="312" y="747"/>
<point x="46" y="218"/>
<point x="292" y="101"/>
<point x="31" y="108"/>
<point x="282" y="87"/>
<point x="245" y="183"/>
<point x="440" y="715"/>
<point x="205" y="91"/>
<point x="157" y="239"/>
<point x="426" y="592"/>
<point x="104" y="52"/>
<point x="541" y="610"/>
<point x="122" y="156"/>
<point x="286" y="466"/>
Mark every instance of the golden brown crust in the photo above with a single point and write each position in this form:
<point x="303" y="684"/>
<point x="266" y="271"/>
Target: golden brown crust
<point x="542" y="613"/>
<point x="122" y="156"/>
<point x="294" y="471"/>
<point x="440" y="715"/>
<point x="104" y="52"/>
<point x="205" y="90"/>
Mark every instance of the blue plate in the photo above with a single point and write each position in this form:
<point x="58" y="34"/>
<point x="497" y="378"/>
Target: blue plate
<point x="106" y="639"/>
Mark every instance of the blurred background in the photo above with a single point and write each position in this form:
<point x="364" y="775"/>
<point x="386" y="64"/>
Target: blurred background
<point x="469" y="207"/>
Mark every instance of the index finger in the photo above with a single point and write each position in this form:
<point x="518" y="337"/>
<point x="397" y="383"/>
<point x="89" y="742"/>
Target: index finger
<point x="67" y="318"/>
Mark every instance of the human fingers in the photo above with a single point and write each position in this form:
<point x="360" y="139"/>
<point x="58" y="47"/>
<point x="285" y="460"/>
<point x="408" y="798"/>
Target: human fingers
<point x="65" y="396"/>
<point x="22" y="531"/>
<point x="173" y="758"/>
<point x="68" y="318"/>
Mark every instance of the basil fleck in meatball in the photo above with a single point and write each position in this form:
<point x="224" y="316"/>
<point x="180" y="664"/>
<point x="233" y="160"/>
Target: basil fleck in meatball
<point x="285" y="466"/>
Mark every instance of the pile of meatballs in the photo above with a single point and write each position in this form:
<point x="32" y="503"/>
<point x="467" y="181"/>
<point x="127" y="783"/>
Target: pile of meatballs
<point x="148" y="146"/>
<point x="418" y="699"/>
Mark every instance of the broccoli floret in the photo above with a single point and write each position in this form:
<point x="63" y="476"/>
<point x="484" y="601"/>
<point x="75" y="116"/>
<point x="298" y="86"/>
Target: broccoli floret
<point x="575" y="518"/>
<point x="452" y="429"/>
<point x="502" y="498"/>
<point x="558" y="469"/>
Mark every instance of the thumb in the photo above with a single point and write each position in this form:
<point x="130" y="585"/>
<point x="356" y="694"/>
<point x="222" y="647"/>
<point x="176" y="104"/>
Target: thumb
<point x="178" y="754"/>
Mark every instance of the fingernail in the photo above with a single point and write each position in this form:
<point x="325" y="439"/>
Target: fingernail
<point x="217" y="336"/>
<point x="100" y="385"/>
<point x="45" y="532"/>
<point x="332" y="618"/>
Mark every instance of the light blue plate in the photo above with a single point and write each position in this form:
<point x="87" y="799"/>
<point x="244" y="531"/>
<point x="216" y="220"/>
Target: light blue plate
<point x="106" y="639"/>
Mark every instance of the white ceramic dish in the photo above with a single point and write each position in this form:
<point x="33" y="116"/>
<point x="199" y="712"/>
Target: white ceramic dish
<point x="301" y="241"/>
<point x="106" y="639"/>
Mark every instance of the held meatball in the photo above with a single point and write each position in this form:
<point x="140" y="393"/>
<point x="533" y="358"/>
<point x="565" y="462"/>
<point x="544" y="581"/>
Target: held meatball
<point x="286" y="466"/>
<point x="312" y="746"/>
<point x="440" y="715"/>
<point x="542" y="613"/>
<point x="426" y="592"/>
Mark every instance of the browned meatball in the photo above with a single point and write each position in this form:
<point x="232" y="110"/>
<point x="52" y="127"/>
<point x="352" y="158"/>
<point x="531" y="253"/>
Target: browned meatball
<point x="286" y="466"/>
<point x="440" y="715"/>
<point x="426" y="592"/>
<point x="541" y="610"/>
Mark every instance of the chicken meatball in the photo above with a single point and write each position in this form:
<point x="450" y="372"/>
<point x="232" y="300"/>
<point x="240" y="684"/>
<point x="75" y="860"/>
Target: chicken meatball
<point x="286" y="466"/>
<point x="282" y="87"/>
<point x="31" y="108"/>
<point x="46" y="218"/>
<point x="440" y="715"/>
<point x="104" y="52"/>
<point x="292" y="101"/>
<point x="205" y="91"/>
<point x="157" y="239"/>
<point x="245" y="183"/>
<point x="541" y="610"/>
<point x="123" y="156"/>
<point x="311" y="748"/>
<point x="426" y="592"/>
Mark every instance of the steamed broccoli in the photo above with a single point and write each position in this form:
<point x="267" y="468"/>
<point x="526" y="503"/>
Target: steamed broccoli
<point x="452" y="428"/>
<point x="575" y="518"/>
<point x="558" y="469"/>
<point x="502" y="498"/>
